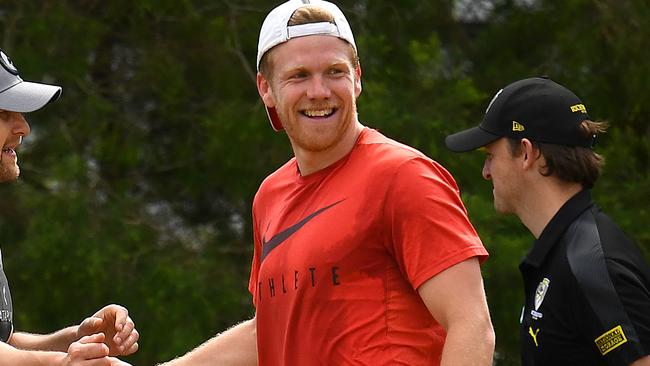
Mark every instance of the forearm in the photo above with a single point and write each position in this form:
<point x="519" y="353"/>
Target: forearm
<point x="10" y="356"/>
<point x="237" y="346"/>
<point x="58" y="341"/>
<point x="469" y="343"/>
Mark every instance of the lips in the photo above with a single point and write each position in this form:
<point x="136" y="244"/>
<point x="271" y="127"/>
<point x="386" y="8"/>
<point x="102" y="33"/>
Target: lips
<point x="318" y="113"/>
<point x="9" y="151"/>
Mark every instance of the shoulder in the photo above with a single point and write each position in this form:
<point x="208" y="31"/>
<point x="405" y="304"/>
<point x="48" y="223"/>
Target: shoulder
<point x="615" y="242"/>
<point x="392" y="157"/>
<point x="599" y="253"/>
<point x="283" y="176"/>
<point x="596" y="229"/>
<point x="374" y="142"/>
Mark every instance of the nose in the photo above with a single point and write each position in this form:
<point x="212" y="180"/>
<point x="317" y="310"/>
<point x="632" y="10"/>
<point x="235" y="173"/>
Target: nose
<point x="486" y="170"/>
<point x="20" y="125"/>
<point x="318" y="88"/>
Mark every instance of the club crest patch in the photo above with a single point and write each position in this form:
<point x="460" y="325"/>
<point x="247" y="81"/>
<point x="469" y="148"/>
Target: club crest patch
<point x="610" y="340"/>
<point x="542" y="288"/>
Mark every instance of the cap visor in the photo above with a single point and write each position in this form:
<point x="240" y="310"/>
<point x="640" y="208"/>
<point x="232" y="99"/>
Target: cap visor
<point x="470" y="139"/>
<point x="28" y="97"/>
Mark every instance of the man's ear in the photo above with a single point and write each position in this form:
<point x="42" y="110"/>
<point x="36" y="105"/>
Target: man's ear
<point x="265" y="91"/>
<point x="357" y="81"/>
<point x="529" y="153"/>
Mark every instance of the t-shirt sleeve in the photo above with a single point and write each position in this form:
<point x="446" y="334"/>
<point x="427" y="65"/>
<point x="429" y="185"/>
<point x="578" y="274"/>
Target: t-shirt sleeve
<point x="620" y="329"/>
<point x="429" y="230"/>
<point x="635" y="298"/>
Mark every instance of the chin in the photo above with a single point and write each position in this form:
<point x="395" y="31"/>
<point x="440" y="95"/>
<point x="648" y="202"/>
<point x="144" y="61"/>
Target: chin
<point x="315" y="141"/>
<point x="8" y="175"/>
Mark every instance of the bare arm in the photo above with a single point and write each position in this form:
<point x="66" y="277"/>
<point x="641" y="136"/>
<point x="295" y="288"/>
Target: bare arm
<point x="10" y="356"/>
<point x="237" y="347"/>
<point x="88" y="351"/>
<point x="58" y="341"/>
<point x="456" y="299"/>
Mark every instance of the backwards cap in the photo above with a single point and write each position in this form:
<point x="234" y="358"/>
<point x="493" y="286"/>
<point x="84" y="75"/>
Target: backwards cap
<point x="538" y="109"/>
<point x="275" y="30"/>
<point x="21" y="96"/>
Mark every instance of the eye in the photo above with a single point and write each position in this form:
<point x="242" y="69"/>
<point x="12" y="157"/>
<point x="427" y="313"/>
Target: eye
<point x="298" y="75"/>
<point x="335" y="71"/>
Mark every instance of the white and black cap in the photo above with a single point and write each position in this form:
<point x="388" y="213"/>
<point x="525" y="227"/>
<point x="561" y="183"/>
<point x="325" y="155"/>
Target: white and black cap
<point x="17" y="95"/>
<point x="276" y="30"/>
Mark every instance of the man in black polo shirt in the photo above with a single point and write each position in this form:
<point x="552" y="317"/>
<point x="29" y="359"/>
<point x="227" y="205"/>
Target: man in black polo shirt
<point x="110" y="331"/>
<point x="587" y="285"/>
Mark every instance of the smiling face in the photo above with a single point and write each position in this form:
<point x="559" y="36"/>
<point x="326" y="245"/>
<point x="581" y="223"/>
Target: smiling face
<point x="313" y="87"/>
<point x="12" y="128"/>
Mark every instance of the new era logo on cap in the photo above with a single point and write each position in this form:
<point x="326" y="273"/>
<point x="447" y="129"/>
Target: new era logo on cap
<point x="17" y="95"/>
<point x="579" y="108"/>
<point x="538" y="109"/>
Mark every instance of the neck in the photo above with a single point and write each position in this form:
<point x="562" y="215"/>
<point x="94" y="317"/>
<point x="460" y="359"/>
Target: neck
<point x="312" y="161"/>
<point x="543" y="201"/>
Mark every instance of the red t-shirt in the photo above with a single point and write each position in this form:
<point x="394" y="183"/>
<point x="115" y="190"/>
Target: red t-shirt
<point x="339" y="255"/>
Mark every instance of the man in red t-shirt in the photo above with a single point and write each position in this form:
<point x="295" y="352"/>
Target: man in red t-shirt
<point x="364" y="254"/>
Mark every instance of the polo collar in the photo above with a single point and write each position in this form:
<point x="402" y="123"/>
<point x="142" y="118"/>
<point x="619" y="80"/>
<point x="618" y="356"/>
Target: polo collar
<point x="565" y="216"/>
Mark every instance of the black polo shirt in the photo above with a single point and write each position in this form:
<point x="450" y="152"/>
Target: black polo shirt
<point x="6" y="309"/>
<point x="587" y="292"/>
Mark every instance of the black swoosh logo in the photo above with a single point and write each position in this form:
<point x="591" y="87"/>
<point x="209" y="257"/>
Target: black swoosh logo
<point x="280" y="237"/>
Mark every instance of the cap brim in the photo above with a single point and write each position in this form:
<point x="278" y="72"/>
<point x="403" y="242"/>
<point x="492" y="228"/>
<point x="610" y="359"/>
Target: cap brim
<point x="470" y="139"/>
<point x="28" y="97"/>
<point x="274" y="119"/>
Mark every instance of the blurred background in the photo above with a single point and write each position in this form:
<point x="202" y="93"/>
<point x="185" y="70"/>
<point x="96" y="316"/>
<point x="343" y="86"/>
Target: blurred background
<point x="137" y="185"/>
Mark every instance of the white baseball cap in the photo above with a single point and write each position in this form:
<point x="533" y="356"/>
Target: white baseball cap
<point x="17" y="95"/>
<point x="275" y="30"/>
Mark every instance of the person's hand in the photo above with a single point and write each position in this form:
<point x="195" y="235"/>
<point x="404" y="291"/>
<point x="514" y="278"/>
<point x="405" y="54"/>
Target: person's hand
<point x="90" y="351"/>
<point x="114" y="322"/>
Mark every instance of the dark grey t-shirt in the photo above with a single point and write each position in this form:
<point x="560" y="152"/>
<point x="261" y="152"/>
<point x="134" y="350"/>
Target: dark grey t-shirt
<point x="6" y="309"/>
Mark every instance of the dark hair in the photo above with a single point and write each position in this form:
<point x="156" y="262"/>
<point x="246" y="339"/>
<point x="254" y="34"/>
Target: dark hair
<point x="570" y="163"/>
<point x="305" y="15"/>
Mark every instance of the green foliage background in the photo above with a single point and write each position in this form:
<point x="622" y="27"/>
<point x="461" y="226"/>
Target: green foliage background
<point x="136" y="186"/>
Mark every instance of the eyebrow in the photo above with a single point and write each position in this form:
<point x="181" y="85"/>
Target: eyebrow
<point x="302" y="68"/>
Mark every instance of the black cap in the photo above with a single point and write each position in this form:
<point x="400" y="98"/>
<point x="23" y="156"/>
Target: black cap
<point x="538" y="109"/>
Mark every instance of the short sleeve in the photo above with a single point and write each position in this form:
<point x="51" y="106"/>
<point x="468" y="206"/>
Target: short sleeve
<point x="626" y="337"/>
<point x="429" y="230"/>
<point x="615" y="324"/>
